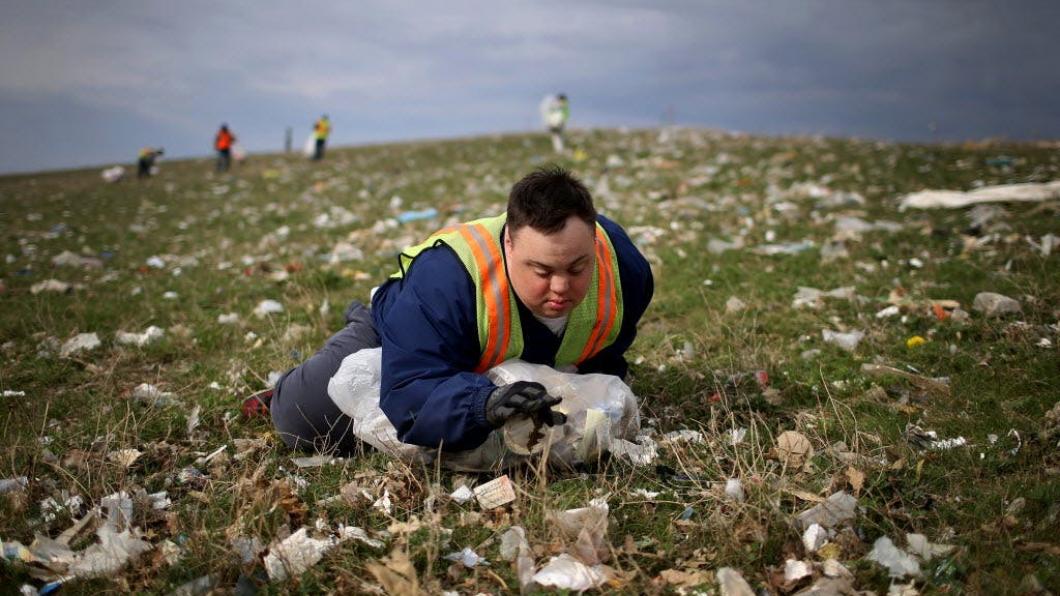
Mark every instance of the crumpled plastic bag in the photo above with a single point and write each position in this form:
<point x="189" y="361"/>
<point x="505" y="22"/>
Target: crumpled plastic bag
<point x="600" y="410"/>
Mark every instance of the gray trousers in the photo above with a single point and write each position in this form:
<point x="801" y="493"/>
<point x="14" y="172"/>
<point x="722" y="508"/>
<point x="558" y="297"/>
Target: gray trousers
<point x="304" y="415"/>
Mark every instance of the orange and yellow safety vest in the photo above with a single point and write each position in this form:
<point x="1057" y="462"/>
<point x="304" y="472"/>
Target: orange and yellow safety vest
<point x="593" y="325"/>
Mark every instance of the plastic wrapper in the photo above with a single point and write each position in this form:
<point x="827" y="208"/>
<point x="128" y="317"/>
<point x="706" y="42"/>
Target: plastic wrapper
<point x="600" y="410"/>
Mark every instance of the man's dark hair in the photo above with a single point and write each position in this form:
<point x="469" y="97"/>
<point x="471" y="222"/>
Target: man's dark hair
<point x="545" y="198"/>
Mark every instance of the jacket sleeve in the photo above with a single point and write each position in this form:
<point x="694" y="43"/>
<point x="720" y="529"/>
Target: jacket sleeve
<point x="638" y="285"/>
<point x="430" y="345"/>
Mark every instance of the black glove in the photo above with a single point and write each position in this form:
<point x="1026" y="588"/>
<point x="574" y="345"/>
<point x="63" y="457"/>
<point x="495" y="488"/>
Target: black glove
<point x="522" y="398"/>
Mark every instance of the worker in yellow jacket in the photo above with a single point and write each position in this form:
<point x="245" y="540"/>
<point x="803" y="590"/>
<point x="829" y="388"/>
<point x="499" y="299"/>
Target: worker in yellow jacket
<point x="321" y="130"/>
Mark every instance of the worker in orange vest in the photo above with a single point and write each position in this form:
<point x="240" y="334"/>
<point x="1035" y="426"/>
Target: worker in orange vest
<point x="223" y="144"/>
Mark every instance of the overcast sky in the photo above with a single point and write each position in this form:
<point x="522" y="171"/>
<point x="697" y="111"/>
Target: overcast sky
<point x="86" y="83"/>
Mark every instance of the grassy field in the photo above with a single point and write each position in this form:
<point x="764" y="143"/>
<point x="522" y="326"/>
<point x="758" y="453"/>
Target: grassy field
<point x="274" y="228"/>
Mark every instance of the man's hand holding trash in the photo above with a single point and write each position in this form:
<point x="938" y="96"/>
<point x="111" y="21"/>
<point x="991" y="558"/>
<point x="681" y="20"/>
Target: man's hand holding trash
<point x="524" y="398"/>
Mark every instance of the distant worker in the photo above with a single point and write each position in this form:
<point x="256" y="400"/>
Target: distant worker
<point x="223" y="144"/>
<point x="555" y="111"/>
<point x="146" y="163"/>
<point x="321" y="130"/>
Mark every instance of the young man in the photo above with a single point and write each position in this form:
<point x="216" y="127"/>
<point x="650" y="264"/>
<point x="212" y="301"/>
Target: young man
<point x="550" y="282"/>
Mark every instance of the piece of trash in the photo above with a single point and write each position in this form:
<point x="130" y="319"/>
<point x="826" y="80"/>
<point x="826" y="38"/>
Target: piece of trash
<point x="814" y="298"/>
<point x="159" y="500"/>
<point x="848" y="227"/>
<point x="114" y="551"/>
<point x="945" y="444"/>
<point x="929" y="439"/>
<point x="915" y="342"/>
<point x="150" y="395"/>
<point x="785" y="248"/>
<point x="462" y="495"/>
<point x="844" y="341"/>
<point x="684" y="581"/>
<point x="951" y="199"/>
<point x="423" y="214"/>
<point x="202" y="461"/>
<point x="383" y="503"/>
<point x="228" y="319"/>
<point x="495" y="493"/>
<point x="112" y="175"/>
<point x="794" y="570"/>
<point x="248" y="548"/>
<point x="1047" y="245"/>
<point x="267" y="307"/>
<point x="717" y="247"/>
<point x="645" y="493"/>
<point x="69" y="259"/>
<point x="734" y="489"/>
<point x="939" y="385"/>
<point x="171" y="295"/>
<point x="814" y="537"/>
<point x="196" y="587"/>
<point x="734" y="305"/>
<point x="358" y="534"/>
<point x="343" y="252"/>
<point x="564" y="572"/>
<point x="13" y="393"/>
<point x="513" y="542"/>
<point x="315" y="461"/>
<point x="150" y="335"/>
<point x="466" y="557"/>
<point x="11" y="485"/>
<point x="51" y="285"/>
<point x="732" y="583"/>
<point x="995" y="305"/>
<point x="793" y="449"/>
<point x="918" y="545"/>
<point x="838" y="508"/>
<point x="736" y="436"/>
<point x="888" y="312"/>
<point x="683" y="436"/>
<point x="294" y="555"/>
<point x="125" y="457"/>
<point x="898" y="562"/>
<point x="587" y="527"/>
<point x="155" y="262"/>
<point x="191" y="475"/>
<point x="639" y="454"/>
<point x="193" y="419"/>
<point x="355" y="390"/>
<point x="82" y="342"/>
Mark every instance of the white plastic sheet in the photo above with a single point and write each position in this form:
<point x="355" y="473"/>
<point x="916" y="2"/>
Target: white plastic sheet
<point x="955" y="199"/>
<point x="601" y="410"/>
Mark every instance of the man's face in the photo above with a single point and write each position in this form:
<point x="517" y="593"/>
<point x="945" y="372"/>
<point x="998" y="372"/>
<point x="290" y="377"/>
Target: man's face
<point x="551" y="273"/>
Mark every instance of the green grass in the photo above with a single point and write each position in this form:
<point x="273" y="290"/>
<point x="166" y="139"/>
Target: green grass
<point x="1001" y="380"/>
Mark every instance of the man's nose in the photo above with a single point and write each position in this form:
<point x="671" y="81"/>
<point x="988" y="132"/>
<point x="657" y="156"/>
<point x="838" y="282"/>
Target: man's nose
<point x="560" y="283"/>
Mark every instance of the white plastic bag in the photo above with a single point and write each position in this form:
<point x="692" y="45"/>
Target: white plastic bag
<point x="599" y="408"/>
<point x="310" y="147"/>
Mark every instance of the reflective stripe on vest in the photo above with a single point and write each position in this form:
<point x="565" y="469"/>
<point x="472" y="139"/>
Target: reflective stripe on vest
<point x="591" y="326"/>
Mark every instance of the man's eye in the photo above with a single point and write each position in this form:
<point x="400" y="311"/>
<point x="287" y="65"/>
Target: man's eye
<point x="577" y="271"/>
<point x="542" y="273"/>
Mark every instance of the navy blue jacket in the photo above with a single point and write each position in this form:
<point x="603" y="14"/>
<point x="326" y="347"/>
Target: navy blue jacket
<point x="428" y="327"/>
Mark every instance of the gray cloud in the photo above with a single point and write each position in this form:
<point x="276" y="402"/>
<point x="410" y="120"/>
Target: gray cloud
<point x="87" y="83"/>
